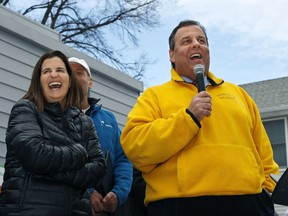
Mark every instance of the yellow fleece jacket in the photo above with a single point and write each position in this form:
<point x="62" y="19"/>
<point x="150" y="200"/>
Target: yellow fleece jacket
<point x="229" y="155"/>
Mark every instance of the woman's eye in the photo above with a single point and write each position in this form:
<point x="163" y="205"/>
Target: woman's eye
<point x="45" y="71"/>
<point x="60" y="71"/>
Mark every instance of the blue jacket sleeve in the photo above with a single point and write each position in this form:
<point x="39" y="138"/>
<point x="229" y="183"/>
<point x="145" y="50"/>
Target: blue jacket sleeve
<point x="123" y="172"/>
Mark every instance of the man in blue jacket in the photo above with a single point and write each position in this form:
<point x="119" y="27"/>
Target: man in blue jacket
<point x="117" y="182"/>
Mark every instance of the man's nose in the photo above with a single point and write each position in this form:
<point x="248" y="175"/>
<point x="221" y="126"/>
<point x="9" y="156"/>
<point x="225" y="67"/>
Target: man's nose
<point x="195" y="43"/>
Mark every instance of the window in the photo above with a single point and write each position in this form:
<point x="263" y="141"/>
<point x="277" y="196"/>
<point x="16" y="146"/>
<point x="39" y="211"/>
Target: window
<point x="276" y="131"/>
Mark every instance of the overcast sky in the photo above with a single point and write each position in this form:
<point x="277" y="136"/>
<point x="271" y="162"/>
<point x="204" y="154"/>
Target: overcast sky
<point x="248" y="39"/>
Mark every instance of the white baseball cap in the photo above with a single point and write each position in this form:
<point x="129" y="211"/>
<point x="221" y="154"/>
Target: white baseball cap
<point x="81" y="62"/>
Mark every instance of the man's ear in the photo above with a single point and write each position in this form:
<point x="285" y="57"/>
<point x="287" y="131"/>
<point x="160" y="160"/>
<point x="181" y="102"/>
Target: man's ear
<point x="172" y="56"/>
<point x="91" y="83"/>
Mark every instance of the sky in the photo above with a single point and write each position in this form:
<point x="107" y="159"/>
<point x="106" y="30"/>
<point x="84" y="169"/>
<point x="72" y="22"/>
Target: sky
<point x="248" y="39"/>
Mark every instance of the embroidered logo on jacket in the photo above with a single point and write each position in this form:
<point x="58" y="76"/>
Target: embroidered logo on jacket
<point x="105" y="124"/>
<point x="226" y="96"/>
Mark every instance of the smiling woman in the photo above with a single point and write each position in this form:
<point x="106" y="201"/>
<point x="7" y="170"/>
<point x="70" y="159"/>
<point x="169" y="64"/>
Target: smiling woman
<point x="53" y="69"/>
<point x="53" y="152"/>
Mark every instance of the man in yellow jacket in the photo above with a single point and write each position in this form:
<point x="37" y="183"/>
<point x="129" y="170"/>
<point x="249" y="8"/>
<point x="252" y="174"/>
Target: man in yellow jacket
<point x="201" y="153"/>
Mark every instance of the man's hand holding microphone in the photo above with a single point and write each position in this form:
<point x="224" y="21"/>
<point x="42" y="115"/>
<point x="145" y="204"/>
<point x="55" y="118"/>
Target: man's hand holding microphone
<point x="201" y="104"/>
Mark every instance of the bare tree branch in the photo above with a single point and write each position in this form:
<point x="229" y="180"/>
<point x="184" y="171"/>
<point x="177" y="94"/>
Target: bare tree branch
<point x="4" y="2"/>
<point x="87" y="29"/>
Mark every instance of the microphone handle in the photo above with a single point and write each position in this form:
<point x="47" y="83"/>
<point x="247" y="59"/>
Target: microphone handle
<point x="200" y="82"/>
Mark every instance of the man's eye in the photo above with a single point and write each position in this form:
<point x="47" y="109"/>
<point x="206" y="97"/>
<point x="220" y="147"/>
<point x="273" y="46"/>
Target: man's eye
<point x="186" y="41"/>
<point x="202" y="41"/>
<point x="79" y="73"/>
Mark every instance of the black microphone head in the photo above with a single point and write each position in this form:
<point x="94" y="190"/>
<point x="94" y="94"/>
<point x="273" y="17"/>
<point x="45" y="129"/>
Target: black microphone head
<point x="198" y="68"/>
<point x="199" y="75"/>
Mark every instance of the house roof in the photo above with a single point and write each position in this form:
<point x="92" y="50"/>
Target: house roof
<point x="270" y="95"/>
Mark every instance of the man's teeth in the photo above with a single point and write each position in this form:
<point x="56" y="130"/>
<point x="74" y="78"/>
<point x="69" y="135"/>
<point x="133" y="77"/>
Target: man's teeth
<point x="196" y="55"/>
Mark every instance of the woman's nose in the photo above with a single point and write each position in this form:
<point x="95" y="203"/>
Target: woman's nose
<point x="53" y="73"/>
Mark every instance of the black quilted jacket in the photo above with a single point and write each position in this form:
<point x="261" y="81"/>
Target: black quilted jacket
<point x="52" y="157"/>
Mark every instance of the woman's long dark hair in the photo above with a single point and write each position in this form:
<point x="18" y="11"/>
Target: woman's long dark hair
<point x="74" y="96"/>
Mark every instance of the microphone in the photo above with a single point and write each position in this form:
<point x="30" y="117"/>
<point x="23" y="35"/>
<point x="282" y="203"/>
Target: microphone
<point x="199" y="73"/>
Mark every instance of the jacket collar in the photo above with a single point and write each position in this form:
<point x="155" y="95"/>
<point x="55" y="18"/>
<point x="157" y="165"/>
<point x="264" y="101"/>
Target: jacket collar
<point x="214" y="81"/>
<point x="93" y="105"/>
<point x="55" y="109"/>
